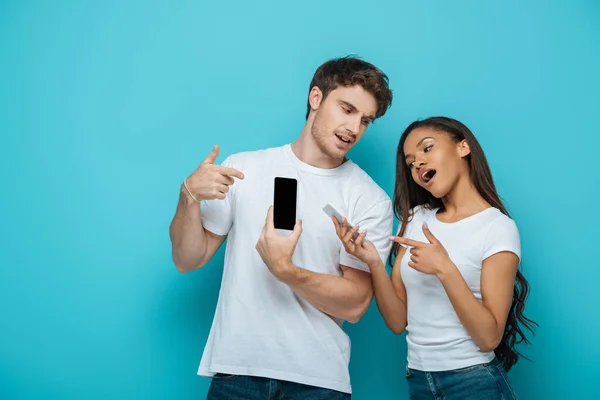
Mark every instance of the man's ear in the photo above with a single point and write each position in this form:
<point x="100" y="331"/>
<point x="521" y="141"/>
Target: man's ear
<point x="315" y="97"/>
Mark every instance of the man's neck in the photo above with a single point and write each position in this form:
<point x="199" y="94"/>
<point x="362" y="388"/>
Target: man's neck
<point x="307" y="151"/>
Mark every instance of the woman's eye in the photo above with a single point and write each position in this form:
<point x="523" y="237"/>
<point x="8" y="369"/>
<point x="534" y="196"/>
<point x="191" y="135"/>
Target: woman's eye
<point x="428" y="148"/>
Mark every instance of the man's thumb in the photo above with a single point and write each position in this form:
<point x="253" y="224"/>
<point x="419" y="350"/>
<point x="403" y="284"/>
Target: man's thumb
<point x="212" y="156"/>
<point x="297" y="231"/>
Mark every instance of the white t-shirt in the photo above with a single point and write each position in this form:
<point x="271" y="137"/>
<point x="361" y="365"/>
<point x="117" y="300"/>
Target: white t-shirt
<point x="261" y="326"/>
<point x="437" y="340"/>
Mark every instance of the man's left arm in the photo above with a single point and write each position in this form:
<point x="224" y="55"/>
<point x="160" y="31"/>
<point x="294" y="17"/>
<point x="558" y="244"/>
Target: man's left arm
<point x="345" y="297"/>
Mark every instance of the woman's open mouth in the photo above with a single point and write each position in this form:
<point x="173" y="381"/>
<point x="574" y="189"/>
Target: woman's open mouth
<point x="427" y="176"/>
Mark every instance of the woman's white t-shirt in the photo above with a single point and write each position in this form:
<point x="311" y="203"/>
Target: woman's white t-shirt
<point x="437" y="340"/>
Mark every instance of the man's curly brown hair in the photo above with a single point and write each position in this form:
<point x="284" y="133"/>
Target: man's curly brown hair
<point x="350" y="71"/>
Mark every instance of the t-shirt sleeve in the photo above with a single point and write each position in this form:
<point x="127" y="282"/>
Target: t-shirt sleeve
<point x="503" y="235"/>
<point x="378" y="221"/>
<point x="217" y="215"/>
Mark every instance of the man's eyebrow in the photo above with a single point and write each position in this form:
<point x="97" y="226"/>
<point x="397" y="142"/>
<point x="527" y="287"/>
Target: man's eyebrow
<point x="354" y="109"/>
<point x="349" y="105"/>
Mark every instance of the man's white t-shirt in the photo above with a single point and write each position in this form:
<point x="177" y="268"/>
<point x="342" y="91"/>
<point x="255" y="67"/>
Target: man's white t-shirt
<point x="261" y="326"/>
<point x="437" y="340"/>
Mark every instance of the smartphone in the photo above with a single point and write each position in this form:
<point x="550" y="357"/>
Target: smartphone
<point x="284" y="203"/>
<point x="333" y="212"/>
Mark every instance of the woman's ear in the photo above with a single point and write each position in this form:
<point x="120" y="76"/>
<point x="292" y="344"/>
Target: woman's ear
<point x="463" y="148"/>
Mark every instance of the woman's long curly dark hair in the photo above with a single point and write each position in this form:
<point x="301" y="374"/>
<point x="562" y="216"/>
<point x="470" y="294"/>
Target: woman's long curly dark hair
<point x="408" y="194"/>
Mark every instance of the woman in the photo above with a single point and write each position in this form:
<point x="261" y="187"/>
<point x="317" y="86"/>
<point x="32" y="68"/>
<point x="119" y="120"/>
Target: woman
<point x="455" y="284"/>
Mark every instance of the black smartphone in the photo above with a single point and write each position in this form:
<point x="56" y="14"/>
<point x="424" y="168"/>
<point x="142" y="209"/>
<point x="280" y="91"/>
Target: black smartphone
<point x="284" y="203"/>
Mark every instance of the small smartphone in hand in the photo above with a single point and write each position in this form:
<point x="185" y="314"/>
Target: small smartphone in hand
<point x="333" y="212"/>
<point x="284" y="203"/>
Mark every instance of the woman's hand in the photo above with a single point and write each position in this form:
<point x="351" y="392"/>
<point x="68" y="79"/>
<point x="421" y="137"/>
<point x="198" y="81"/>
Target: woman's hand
<point x="357" y="246"/>
<point x="429" y="258"/>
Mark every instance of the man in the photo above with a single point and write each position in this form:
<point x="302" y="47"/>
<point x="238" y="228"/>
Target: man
<point x="277" y="330"/>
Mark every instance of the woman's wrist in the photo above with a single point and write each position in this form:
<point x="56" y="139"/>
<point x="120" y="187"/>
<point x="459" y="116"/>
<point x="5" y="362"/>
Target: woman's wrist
<point x="376" y="265"/>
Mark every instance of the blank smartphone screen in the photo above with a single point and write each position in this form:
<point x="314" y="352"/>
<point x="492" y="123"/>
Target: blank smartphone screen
<point x="284" y="203"/>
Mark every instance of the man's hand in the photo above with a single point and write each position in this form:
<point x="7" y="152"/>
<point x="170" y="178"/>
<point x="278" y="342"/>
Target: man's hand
<point x="276" y="250"/>
<point x="210" y="181"/>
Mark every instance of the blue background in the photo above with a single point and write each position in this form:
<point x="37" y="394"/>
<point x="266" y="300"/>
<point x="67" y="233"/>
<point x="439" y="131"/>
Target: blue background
<point x="106" y="106"/>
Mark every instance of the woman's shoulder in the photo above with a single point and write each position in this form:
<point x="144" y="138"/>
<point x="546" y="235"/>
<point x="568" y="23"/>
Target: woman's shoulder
<point x="420" y="212"/>
<point x="417" y="215"/>
<point x="496" y="219"/>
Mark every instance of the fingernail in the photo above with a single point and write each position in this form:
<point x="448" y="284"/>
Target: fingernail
<point x="425" y="225"/>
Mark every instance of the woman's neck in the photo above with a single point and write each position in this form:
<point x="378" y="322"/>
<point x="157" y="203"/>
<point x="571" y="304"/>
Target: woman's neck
<point x="463" y="200"/>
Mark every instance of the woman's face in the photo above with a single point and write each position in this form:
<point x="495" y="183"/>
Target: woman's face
<point x="435" y="160"/>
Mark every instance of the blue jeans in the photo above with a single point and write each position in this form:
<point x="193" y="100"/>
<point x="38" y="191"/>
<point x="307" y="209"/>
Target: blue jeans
<point x="238" y="387"/>
<point x="483" y="381"/>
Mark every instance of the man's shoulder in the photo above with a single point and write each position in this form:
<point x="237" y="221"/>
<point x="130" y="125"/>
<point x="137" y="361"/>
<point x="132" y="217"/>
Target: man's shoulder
<point x="252" y="156"/>
<point x="361" y="182"/>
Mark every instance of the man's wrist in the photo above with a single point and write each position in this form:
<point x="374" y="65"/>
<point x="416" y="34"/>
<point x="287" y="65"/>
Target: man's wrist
<point x="291" y="274"/>
<point x="187" y="198"/>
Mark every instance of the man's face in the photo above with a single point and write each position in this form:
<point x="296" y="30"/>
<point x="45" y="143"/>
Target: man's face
<point x="341" y="119"/>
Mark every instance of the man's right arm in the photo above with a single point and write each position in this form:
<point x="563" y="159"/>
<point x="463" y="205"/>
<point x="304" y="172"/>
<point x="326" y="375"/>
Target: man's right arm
<point x="192" y="245"/>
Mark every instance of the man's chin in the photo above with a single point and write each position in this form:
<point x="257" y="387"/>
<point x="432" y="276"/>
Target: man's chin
<point x="337" y="154"/>
<point x="341" y="151"/>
